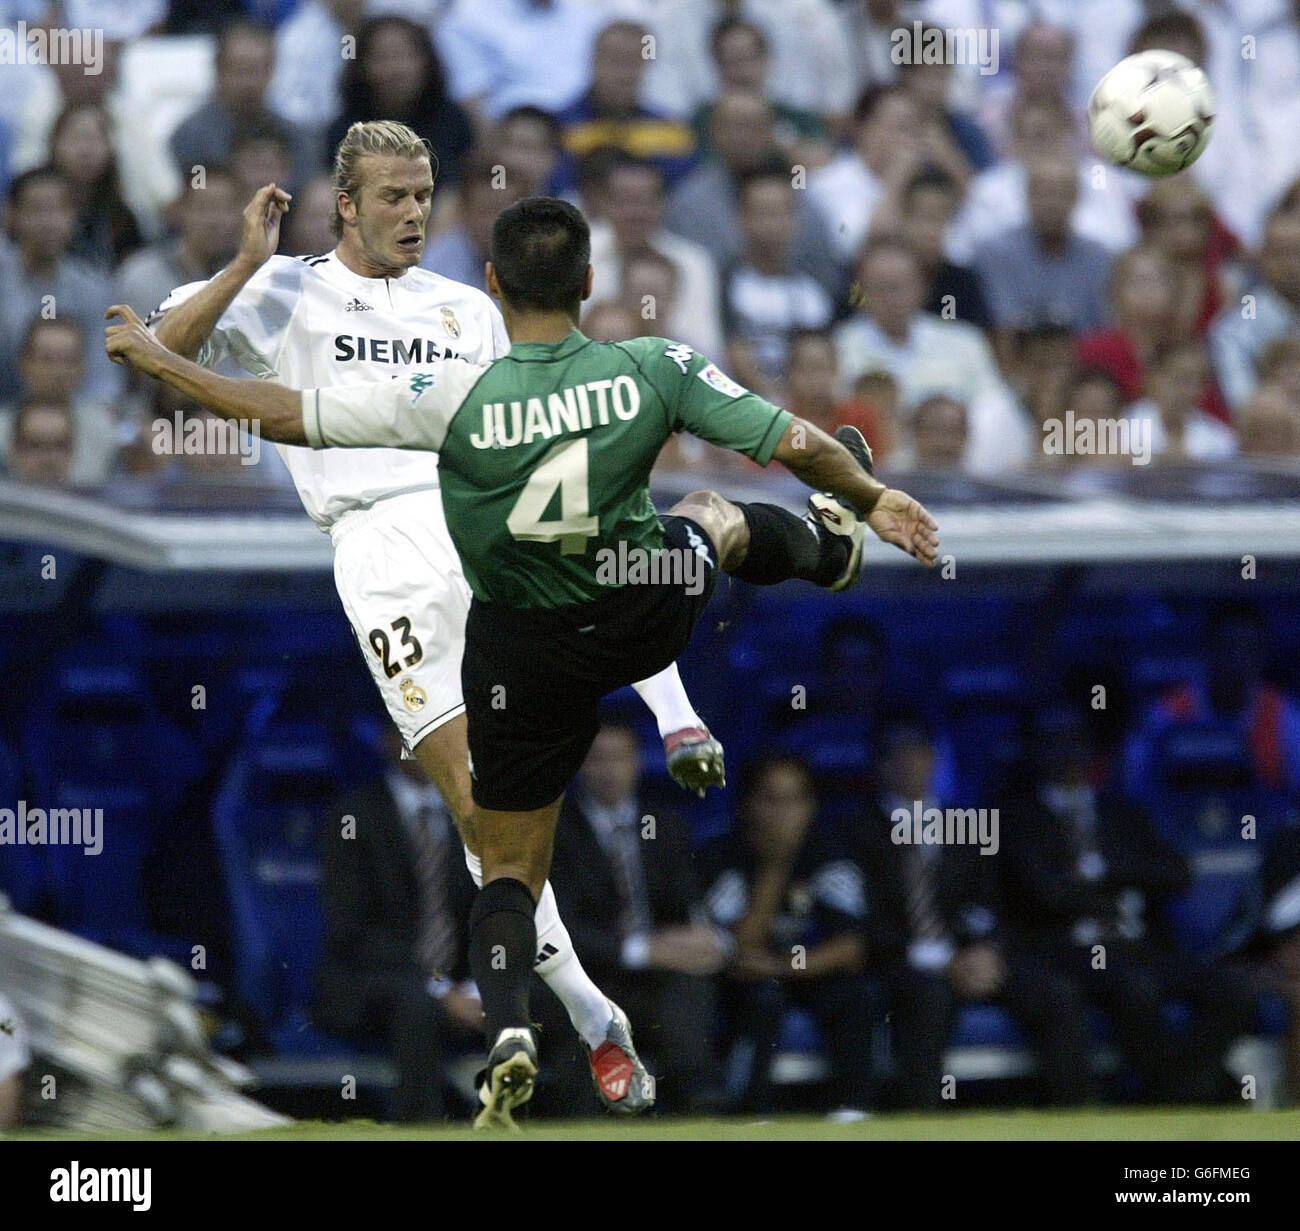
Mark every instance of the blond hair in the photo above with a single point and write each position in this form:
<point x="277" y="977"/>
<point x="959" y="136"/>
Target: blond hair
<point x="372" y="137"/>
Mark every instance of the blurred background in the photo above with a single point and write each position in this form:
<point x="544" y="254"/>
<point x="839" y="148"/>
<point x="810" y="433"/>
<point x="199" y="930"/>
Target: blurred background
<point x="1106" y="660"/>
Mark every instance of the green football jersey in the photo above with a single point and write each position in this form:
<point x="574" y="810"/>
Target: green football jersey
<point x="545" y="454"/>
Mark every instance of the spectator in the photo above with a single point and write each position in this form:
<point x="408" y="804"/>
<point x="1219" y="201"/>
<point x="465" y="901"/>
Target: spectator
<point x="1271" y="308"/>
<point x="1041" y="369"/>
<point x="869" y="30"/>
<point x="765" y="294"/>
<point x="528" y="140"/>
<point x="951" y="141"/>
<point x="309" y="60"/>
<point x="1236" y="696"/>
<point x="631" y="194"/>
<point x="396" y="892"/>
<point x="1180" y="430"/>
<point x="307" y="227"/>
<point x="811" y="65"/>
<point x="812" y="390"/>
<point x="1268" y="426"/>
<point x="886" y="154"/>
<point x="611" y="113"/>
<point x="1091" y="398"/>
<point x="1043" y="66"/>
<point x="15" y="1057"/>
<point x="649" y="291"/>
<point x="939" y="434"/>
<point x="610" y="321"/>
<point x="260" y="156"/>
<point x="51" y="366"/>
<point x="209" y="220"/>
<point x="397" y="75"/>
<point x="742" y="59"/>
<point x="41" y="450"/>
<point x="462" y="252"/>
<point x="1045" y="269"/>
<point x="245" y="58"/>
<point x="625" y="884"/>
<point x="491" y="50"/>
<point x="147" y="178"/>
<point x="81" y="149"/>
<point x="788" y="890"/>
<point x="997" y="200"/>
<point x="1142" y="305"/>
<point x="1085" y="878"/>
<point x="1178" y="219"/>
<point x="938" y="942"/>
<point x="930" y="201"/>
<point x="927" y="355"/>
<point x="704" y="208"/>
<point x="41" y="278"/>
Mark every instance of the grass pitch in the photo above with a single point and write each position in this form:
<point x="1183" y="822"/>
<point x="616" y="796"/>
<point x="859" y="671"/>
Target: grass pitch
<point x="1210" y="1124"/>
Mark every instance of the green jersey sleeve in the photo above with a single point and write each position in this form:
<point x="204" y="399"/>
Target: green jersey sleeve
<point x="706" y="402"/>
<point x="413" y="411"/>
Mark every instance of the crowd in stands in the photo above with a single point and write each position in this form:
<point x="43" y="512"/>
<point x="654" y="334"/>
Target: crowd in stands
<point x="929" y="251"/>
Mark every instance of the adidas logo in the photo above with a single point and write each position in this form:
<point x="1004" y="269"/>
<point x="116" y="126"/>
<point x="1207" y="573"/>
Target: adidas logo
<point x="355" y="305"/>
<point x="546" y="951"/>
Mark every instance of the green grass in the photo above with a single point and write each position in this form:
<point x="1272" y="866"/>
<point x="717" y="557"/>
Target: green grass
<point x="1120" y="1125"/>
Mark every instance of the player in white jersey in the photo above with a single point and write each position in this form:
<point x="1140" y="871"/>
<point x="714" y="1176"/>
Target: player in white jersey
<point x="364" y="312"/>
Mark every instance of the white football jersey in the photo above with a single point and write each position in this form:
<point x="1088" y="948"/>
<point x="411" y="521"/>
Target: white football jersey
<point x="310" y="321"/>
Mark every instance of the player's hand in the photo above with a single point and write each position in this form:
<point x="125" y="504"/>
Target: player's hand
<point x="262" y="225"/>
<point x="900" y="520"/>
<point x="689" y="950"/>
<point x="130" y="342"/>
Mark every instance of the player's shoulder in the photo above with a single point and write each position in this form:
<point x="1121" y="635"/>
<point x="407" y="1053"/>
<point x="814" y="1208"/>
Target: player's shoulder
<point x="285" y="273"/>
<point x="448" y="290"/>
<point x="652" y="353"/>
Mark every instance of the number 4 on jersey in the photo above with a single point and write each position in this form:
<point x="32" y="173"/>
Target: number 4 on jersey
<point x="563" y="467"/>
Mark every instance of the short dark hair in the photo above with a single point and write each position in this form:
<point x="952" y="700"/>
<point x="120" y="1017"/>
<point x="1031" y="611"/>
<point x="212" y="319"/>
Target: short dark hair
<point x="534" y="115"/>
<point x="541" y="248"/>
<point x="726" y="26"/>
<point x="769" y="169"/>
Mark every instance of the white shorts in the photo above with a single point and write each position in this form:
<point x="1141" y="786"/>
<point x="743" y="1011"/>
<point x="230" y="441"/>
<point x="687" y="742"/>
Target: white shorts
<point x="404" y="593"/>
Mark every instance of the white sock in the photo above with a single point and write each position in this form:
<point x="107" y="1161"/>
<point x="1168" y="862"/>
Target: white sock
<point x="561" y="971"/>
<point x="666" y="697"/>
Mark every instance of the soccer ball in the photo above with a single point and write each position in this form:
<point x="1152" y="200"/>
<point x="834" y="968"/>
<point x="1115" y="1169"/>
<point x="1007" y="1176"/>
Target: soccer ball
<point x="1152" y="113"/>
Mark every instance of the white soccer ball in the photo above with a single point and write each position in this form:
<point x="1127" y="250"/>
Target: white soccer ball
<point x="1152" y="113"/>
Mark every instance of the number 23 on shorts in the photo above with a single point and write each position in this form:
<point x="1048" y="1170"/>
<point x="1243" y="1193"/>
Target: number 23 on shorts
<point x="409" y="650"/>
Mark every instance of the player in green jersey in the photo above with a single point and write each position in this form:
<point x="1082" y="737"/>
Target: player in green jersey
<point x="579" y="586"/>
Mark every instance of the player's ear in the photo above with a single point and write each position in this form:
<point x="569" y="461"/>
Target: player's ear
<point x="587" y="281"/>
<point x="490" y="278"/>
<point x="346" y="207"/>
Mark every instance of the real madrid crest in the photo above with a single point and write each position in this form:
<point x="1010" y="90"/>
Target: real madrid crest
<point x="413" y="696"/>
<point x="450" y="323"/>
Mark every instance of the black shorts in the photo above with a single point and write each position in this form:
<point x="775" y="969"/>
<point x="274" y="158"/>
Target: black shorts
<point x="533" y="677"/>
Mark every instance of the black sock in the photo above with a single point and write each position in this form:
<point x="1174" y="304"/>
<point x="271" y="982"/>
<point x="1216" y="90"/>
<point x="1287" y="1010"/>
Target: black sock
<point x="782" y="546"/>
<point x="502" y="945"/>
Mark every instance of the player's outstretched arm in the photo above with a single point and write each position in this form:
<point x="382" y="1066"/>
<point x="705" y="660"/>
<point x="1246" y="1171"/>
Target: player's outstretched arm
<point x="826" y="465"/>
<point x="186" y="327"/>
<point x="275" y="410"/>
